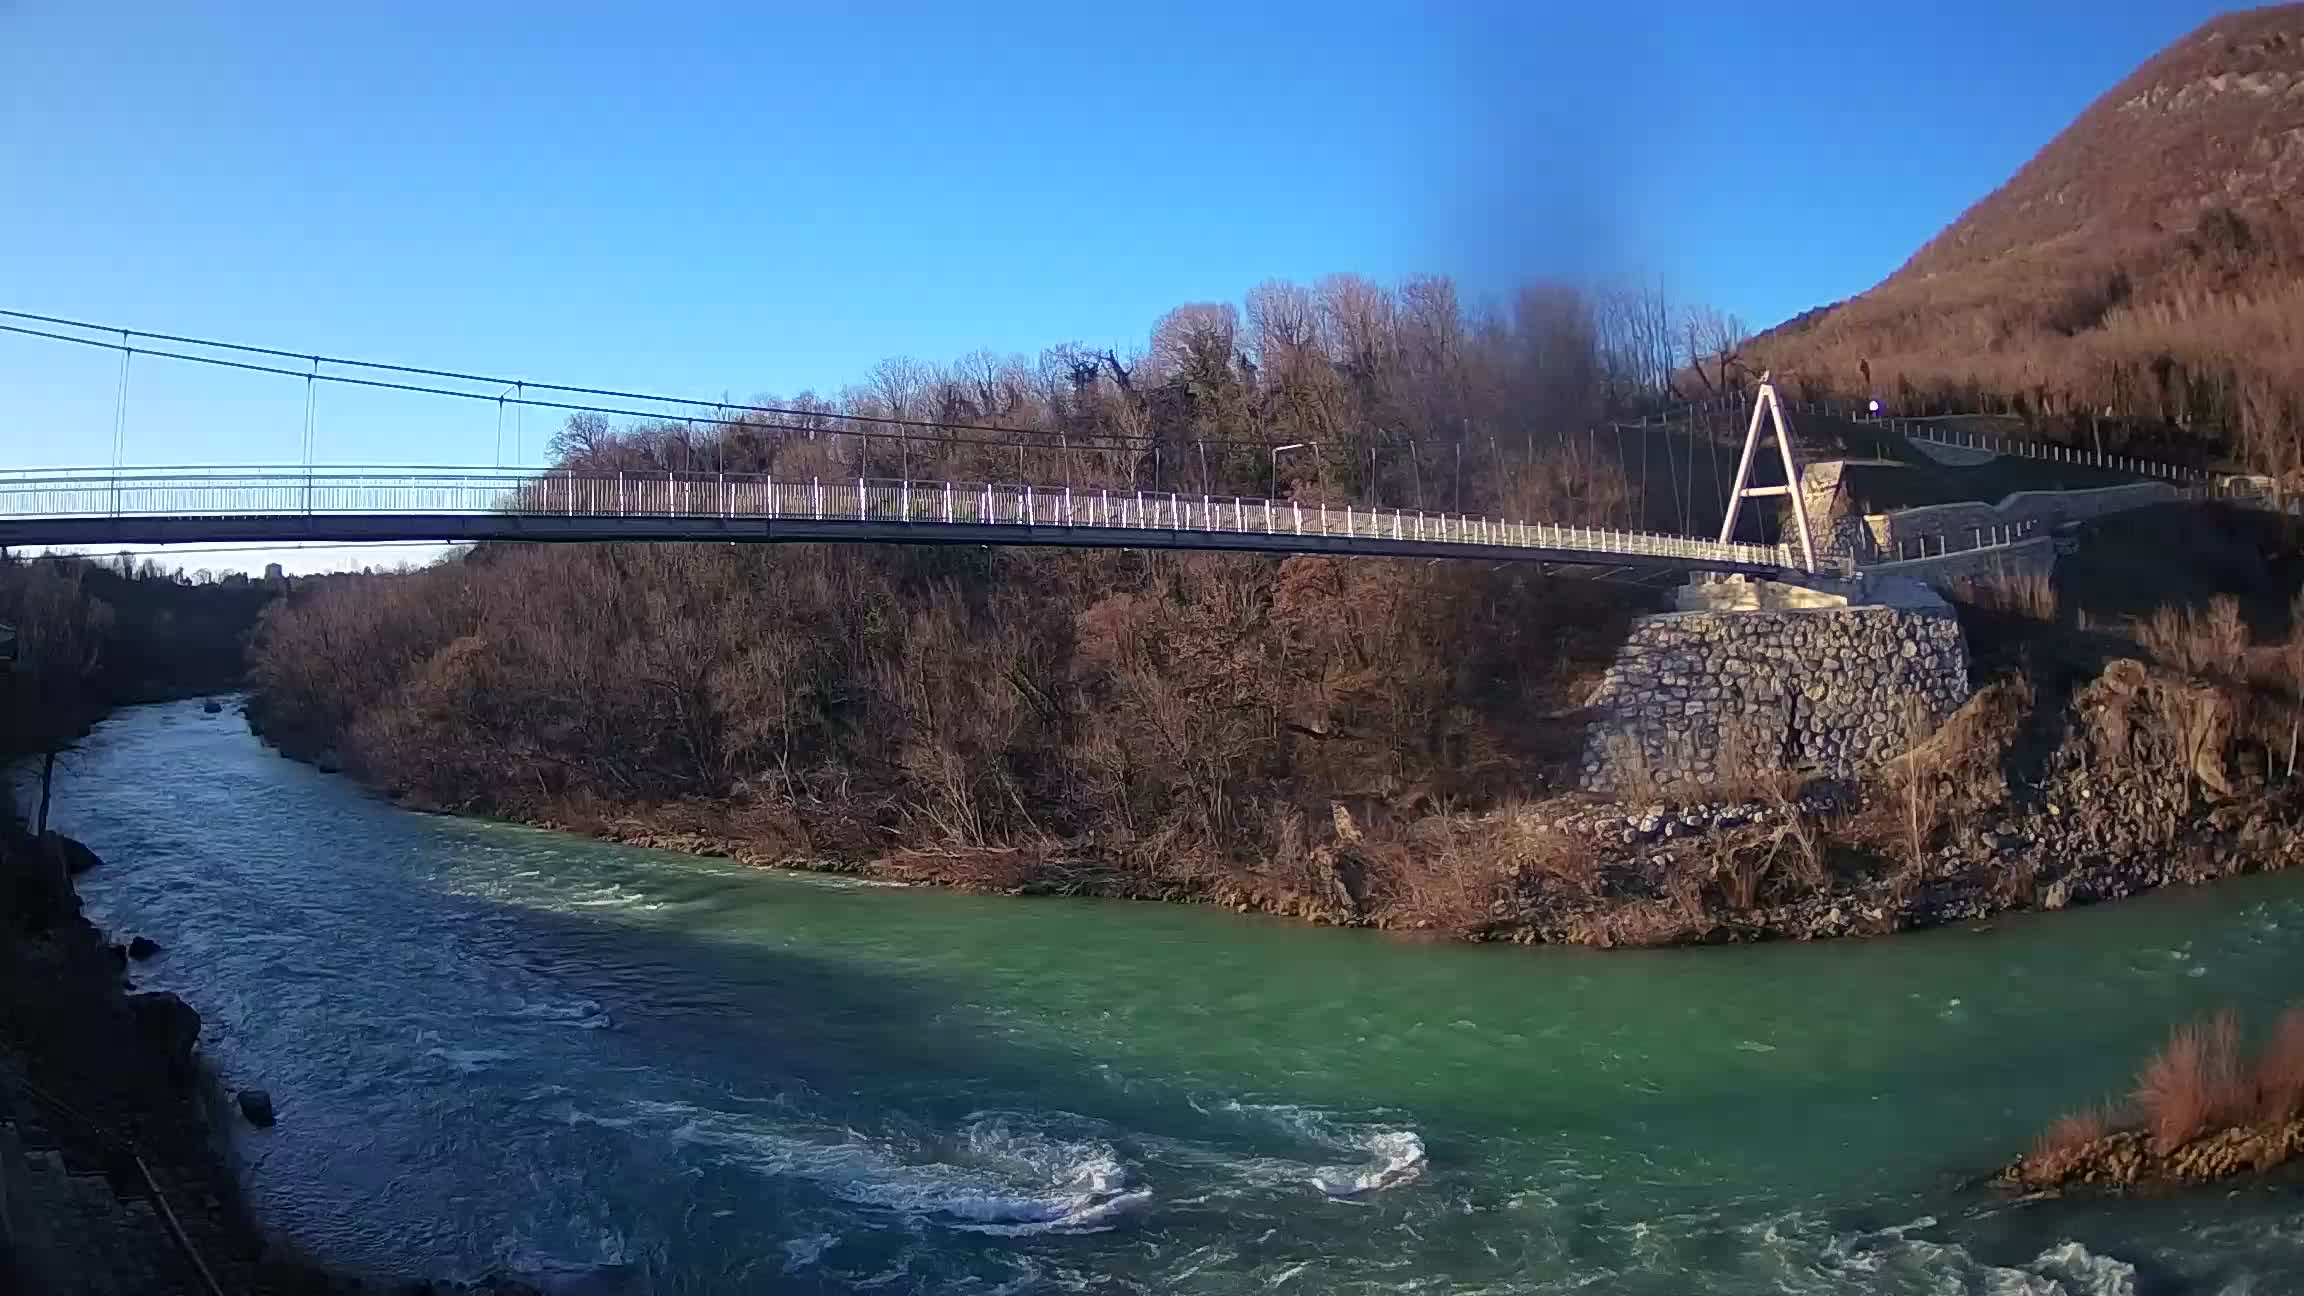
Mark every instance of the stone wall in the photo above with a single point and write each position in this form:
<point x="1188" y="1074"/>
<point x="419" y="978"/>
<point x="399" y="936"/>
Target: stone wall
<point x="1838" y="531"/>
<point x="1694" y="694"/>
<point x="2046" y="508"/>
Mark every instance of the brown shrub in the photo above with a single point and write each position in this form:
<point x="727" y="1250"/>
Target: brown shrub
<point x="2199" y="1082"/>
<point x="2164" y="735"/>
<point x="2026" y="593"/>
<point x="1442" y="875"/>
<point x="1668" y="922"/>
<point x="1750" y="765"/>
<point x="2075" y="1130"/>
<point x="2279" y="1070"/>
<point x="2211" y="644"/>
<point x="2018" y="882"/>
<point x="1965" y="760"/>
<point x="1525" y="842"/>
<point x="2195" y="1083"/>
<point x="1739" y="873"/>
<point x="1687" y="894"/>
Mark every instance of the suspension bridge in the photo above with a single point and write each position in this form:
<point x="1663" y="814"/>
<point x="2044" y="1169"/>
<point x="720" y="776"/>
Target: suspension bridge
<point x="99" y="507"/>
<point x="124" y="504"/>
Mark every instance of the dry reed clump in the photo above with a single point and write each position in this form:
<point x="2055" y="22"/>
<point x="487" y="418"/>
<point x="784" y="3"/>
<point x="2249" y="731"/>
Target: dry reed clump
<point x="1753" y="766"/>
<point x="2280" y="1069"/>
<point x="1524" y="842"/>
<point x="1441" y="874"/>
<point x="2195" y="1083"/>
<point x="2208" y="645"/>
<point x="2073" y="1131"/>
<point x="2243" y="691"/>
<point x="2024" y="593"/>
<point x="1672" y="921"/>
<point x="2200" y="1081"/>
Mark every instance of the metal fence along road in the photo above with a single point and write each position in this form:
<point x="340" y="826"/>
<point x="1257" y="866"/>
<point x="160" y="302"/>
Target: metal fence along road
<point x="164" y="505"/>
<point x="1934" y="430"/>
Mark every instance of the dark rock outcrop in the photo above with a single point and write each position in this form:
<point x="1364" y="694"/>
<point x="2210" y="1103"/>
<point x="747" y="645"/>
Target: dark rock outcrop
<point x="143" y="947"/>
<point x="167" y="1029"/>
<point x="256" y="1105"/>
<point x="36" y="885"/>
<point x="77" y="858"/>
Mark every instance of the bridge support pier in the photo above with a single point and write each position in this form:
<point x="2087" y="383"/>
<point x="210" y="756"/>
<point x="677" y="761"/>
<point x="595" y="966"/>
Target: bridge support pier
<point x="1749" y="676"/>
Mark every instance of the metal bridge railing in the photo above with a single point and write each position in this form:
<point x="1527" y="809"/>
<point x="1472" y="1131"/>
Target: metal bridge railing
<point x="263" y="492"/>
<point x="2046" y="451"/>
<point x="1927" y="429"/>
<point x="1937" y="544"/>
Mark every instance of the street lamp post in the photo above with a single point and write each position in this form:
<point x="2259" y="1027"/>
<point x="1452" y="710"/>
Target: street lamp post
<point x="1293" y="445"/>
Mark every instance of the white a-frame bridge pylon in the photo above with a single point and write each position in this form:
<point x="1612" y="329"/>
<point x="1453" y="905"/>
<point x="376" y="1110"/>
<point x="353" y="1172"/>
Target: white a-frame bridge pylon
<point x="1766" y="405"/>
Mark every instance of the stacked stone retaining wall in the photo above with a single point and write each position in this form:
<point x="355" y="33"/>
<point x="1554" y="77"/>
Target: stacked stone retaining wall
<point x="1693" y="695"/>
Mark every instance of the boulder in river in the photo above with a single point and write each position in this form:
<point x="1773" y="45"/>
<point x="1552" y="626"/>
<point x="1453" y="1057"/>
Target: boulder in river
<point x="212" y="706"/>
<point x="256" y="1105"/>
<point x="143" y="947"/>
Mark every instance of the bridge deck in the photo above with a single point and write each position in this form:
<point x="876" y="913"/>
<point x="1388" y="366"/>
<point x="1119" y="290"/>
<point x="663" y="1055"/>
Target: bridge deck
<point x="166" y="506"/>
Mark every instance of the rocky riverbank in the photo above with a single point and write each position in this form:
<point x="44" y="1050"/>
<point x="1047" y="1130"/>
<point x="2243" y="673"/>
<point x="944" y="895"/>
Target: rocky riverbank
<point x="1948" y="835"/>
<point x="1589" y="872"/>
<point x="2127" y="1160"/>
<point x="105" y="1103"/>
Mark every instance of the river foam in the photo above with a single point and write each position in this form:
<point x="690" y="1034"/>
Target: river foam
<point x="998" y="1173"/>
<point x="1392" y="1158"/>
<point x="1902" y="1259"/>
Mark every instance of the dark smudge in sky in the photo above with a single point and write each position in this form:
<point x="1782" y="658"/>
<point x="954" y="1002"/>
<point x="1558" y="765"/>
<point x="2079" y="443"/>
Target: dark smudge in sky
<point x="1534" y="184"/>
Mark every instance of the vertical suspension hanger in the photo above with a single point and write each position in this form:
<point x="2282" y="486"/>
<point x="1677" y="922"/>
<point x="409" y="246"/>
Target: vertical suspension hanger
<point x="1623" y="461"/>
<point x="311" y="395"/>
<point x="120" y="420"/>
<point x="500" y="425"/>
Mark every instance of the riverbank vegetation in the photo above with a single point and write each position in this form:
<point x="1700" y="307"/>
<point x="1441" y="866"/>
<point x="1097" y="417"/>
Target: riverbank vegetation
<point x="1372" y="742"/>
<point x="2204" y="1108"/>
<point x="93" y="635"/>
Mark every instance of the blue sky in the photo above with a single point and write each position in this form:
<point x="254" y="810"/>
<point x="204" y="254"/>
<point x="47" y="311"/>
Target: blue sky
<point x="753" y="199"/>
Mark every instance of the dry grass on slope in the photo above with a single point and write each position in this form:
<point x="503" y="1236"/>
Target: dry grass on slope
<point x="2148" y="264"/>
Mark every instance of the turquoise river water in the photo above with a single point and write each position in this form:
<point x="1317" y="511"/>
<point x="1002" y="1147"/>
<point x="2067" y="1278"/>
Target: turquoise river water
<point x="620" y="1070"/>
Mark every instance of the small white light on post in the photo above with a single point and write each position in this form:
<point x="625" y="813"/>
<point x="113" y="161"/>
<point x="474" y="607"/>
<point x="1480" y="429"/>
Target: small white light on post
<point x="1293" y="445"/>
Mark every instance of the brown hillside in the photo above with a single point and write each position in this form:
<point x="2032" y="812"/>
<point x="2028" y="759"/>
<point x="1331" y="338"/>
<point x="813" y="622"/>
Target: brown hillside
<point x="2148" y="264"/>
